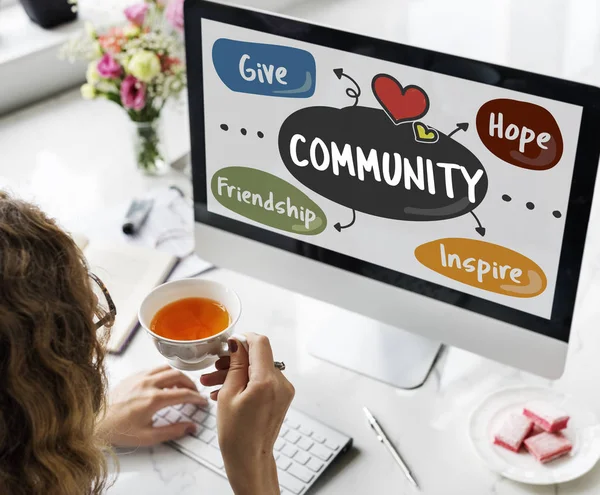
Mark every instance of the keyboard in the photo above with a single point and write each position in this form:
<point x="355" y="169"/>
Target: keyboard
<point x="304" y="449"/>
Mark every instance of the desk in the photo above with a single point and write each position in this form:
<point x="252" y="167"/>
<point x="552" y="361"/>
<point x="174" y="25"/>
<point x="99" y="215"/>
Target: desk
<point x="74" y="158"/>
<point x="83" y="166"/>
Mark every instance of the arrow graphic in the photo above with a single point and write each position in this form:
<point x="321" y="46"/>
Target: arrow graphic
<point x="480" y="229"/>
<point x="350" y="92"/>
<point x="339" y="227"/>
<point x="459" y="127"/>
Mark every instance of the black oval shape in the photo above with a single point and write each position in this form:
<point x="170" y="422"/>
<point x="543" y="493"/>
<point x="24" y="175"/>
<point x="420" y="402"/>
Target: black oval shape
<point x="371" y="129"/>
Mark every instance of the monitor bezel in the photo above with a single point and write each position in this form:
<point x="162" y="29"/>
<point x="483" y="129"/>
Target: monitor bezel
<point x="582" y="188"/>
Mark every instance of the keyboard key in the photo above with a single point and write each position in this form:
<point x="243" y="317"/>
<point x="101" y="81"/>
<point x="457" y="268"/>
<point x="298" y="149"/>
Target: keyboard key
<point x="182" y="419"/>
<point x="292" y="436"/>
<point x="315" y="464"/>
<point x="300" y="472"/>
<point x="210" y="422"/>
<point x="305" y="443"/>
<point x="289" y="450"/>
<point x="276" y="455"/>
<point x="189" y="410"/>
<point x="302" y="457"/>
<point x="283" y="431"/>
<point x="198" y="431"/>
<point x="318" y="438"/>
<point x="160" y="422"/>
<point x="163" y="412"/>
<point x="305" y="431"/>
<point x="199" y="416"/>
<point x="172" y="416"/>
<point x="207" y="436"/>
<point x="292" y="424"/>
<point x="215" y="443"/>
<point x="283" y="463"/>
<point x="331" y="444"/>
<point x="205" y="452"/>
<point x="178" y="407"/>
<point x="321" y="452"/>
<point x="290" y="483"/>
<point x="279" y="443"/>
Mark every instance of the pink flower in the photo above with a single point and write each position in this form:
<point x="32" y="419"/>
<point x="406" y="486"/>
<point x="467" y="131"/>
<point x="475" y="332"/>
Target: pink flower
<point x="136" y="13"/>
<point x="174" y="14"/>
<point x="133" y="93"/>
<point x="108" y="67"/>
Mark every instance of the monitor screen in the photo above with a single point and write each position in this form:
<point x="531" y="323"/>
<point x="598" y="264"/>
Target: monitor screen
<point x="458" y="186"/>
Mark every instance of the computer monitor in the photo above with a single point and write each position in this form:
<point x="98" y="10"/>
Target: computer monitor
<point x="441" y="198"/>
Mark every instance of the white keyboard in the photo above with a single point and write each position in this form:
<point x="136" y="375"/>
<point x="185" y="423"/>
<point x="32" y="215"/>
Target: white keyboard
<point x="303" y="451"/>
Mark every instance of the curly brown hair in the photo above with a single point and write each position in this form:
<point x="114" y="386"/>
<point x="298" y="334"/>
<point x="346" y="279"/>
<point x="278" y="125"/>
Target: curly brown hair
<point x="52" y="378"/>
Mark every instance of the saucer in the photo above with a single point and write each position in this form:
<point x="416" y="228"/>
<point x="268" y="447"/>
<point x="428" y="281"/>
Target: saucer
<point x="583" y="431"/>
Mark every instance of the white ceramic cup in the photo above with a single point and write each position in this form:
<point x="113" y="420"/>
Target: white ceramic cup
<point x="191" y="355"/>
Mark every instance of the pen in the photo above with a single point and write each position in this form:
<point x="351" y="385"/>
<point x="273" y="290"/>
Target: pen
<point x="381" y="436"/>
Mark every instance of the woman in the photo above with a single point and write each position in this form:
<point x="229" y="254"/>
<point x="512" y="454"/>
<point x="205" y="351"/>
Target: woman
<point x="55" y="422"/>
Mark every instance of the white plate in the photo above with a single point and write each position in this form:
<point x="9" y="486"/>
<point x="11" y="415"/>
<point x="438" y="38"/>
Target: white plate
<point x="583" y="431"/>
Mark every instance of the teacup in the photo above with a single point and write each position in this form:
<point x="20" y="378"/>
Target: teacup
<point x="191" y="355"/>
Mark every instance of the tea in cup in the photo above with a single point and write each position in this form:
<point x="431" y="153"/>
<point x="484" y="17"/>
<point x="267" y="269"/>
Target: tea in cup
<point x="190" y="321"/>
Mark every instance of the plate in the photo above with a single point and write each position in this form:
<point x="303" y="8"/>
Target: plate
<point x="583" y="431"/>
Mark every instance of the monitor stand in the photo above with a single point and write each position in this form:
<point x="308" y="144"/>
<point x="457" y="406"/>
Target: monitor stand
<point x="385" y="353"/>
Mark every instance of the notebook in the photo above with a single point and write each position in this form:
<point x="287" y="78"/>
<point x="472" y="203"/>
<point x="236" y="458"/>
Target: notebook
<point x="129" y="272"/>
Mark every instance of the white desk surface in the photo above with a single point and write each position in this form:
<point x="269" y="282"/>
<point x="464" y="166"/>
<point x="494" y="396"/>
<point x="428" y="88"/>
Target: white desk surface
<point x="74" y="157"/>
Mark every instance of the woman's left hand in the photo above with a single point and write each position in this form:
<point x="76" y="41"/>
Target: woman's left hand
<point x="133" y="403"/>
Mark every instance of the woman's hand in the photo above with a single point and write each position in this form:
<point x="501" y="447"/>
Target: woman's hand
<point x="252" y="403"/>
<point x="128" y="420"/>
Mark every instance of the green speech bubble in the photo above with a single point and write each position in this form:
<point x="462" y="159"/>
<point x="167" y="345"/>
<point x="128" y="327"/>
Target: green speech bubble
<point x="267" y="199"/>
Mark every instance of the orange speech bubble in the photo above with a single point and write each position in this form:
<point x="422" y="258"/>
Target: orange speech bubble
<point x="484" y="265"/>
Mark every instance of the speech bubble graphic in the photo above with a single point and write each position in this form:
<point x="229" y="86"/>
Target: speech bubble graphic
<point x="487" y="266"/>
<point x="520" y="133"/>
<point x="267" y="199"/>
<point x="358" y="158"/>
<point x="264" y="69"/>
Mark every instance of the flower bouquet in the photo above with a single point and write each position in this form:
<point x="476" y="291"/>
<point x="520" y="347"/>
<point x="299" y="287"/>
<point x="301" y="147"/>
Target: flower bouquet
<point x="139" y="66"/>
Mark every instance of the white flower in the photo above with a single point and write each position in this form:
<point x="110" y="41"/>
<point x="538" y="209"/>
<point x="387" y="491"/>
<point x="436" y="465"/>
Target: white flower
<point x="107" y="87"/>
<point x="144" y="65"/>
<point x="92" y="74"/>
<point x="131" y="30"/>
<point x="90" y="30"/>
<point x="97" y="49"/>
<point x="88" y="92"/>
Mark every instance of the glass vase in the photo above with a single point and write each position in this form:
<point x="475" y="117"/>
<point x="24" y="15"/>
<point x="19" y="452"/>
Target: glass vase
<point x="150" y="153"/>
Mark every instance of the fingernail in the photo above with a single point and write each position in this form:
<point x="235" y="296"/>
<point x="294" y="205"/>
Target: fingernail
<point x="190" y="430"/>
<point x="233" y="345"/>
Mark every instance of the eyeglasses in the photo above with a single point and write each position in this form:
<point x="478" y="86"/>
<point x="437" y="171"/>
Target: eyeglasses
<point x="106" y="311"/>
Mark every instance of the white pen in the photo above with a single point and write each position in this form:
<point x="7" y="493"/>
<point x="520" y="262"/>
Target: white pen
<point x="384" y="440"/>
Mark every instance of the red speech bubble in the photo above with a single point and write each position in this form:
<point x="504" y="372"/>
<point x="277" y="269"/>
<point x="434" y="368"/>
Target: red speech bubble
<point x="520" y="133"/>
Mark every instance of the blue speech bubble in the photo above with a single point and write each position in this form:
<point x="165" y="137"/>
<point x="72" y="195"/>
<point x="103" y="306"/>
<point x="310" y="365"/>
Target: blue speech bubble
<point x="268" y="70"/>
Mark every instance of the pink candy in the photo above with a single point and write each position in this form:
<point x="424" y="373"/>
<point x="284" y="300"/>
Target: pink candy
<point x="538" y="429"/>
<point x="513" y="431"/>
<point x="547" y="447"/>
<point x="548" y="417"/>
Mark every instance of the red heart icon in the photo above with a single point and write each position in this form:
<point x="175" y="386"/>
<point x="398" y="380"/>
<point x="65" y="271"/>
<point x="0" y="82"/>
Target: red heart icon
<point x="401" y="104"/>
